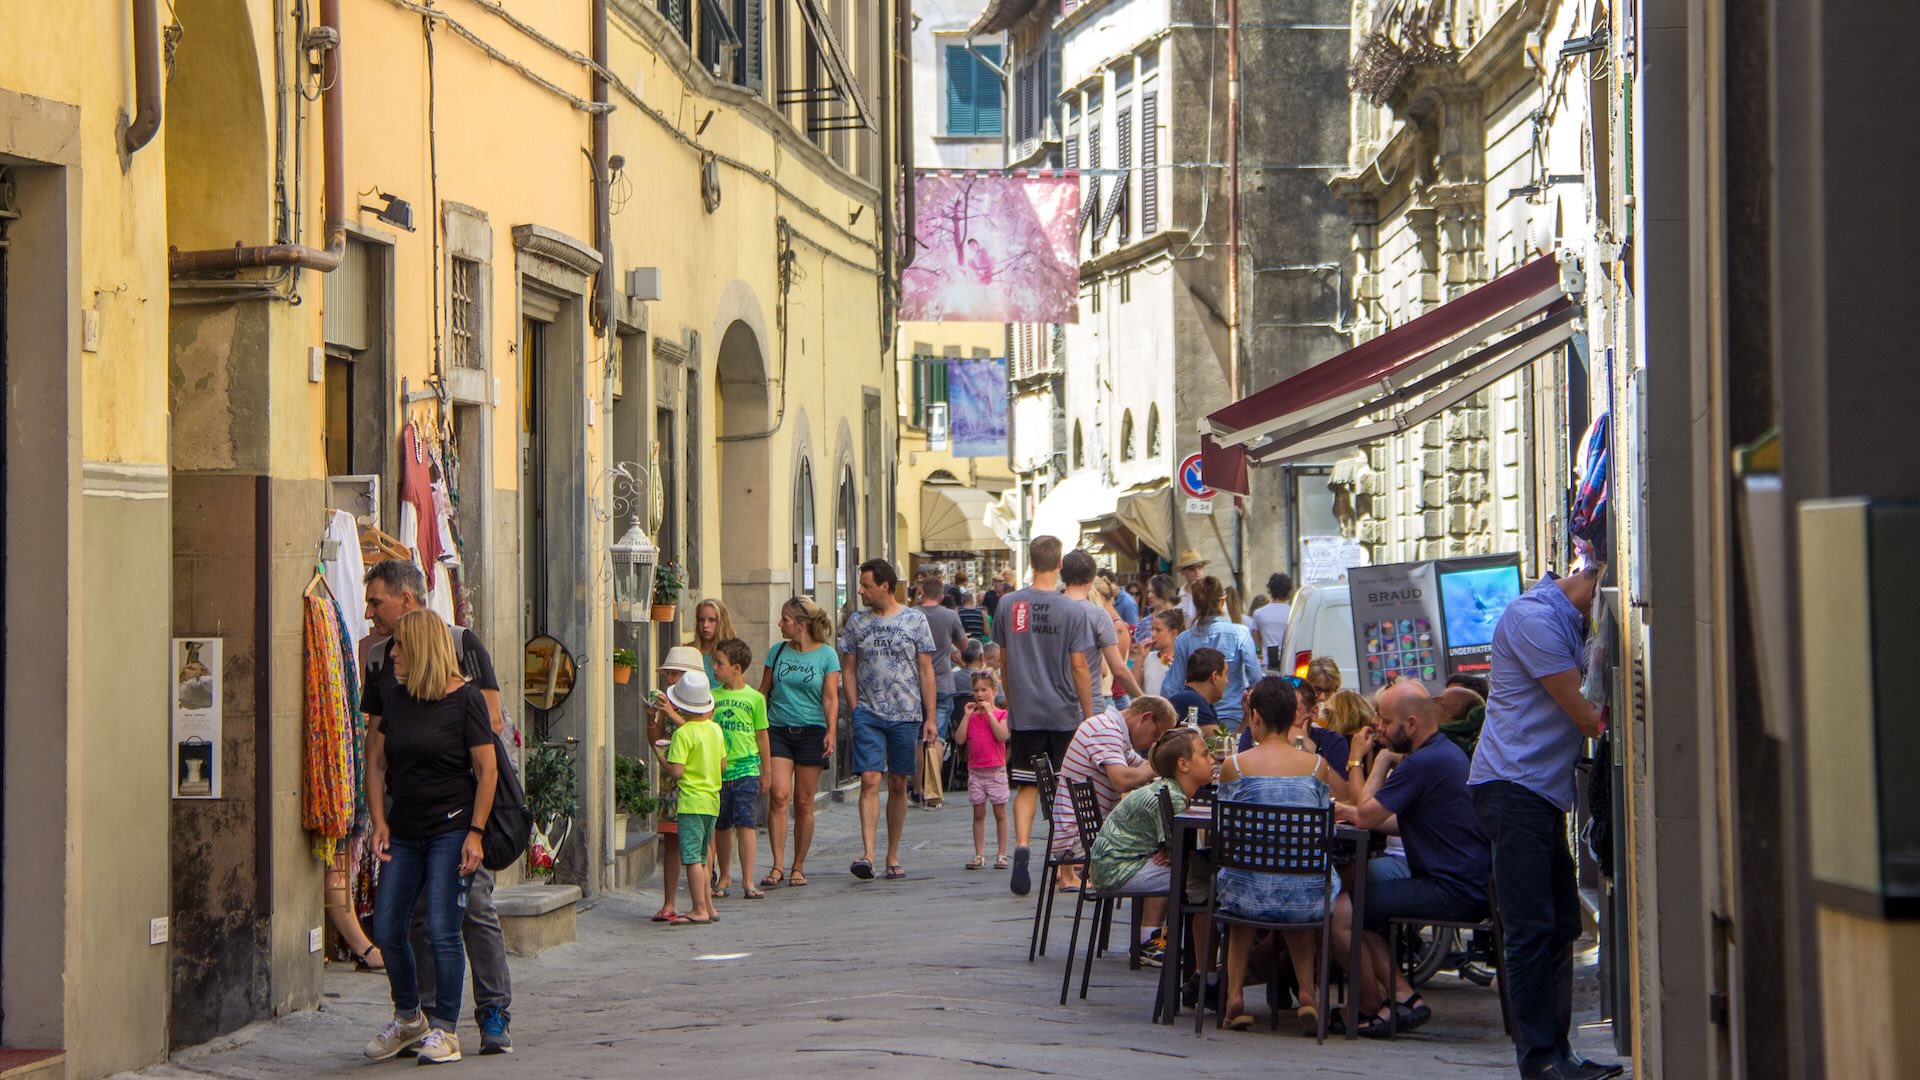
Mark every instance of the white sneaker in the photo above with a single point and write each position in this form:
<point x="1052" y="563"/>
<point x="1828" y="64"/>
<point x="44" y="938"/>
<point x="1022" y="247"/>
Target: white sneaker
<point x="439" y="1047"/>
<point x="397" y="1036"/>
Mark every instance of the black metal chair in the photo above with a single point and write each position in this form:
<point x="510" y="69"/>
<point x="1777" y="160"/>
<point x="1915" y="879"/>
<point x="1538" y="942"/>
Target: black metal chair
<point x="1178" y="907"/>
<point x="1488" y="925"/>
<point x="1087" y="819"/>
<point x="1281" y="840"/>
<point x="1047" y="782"/>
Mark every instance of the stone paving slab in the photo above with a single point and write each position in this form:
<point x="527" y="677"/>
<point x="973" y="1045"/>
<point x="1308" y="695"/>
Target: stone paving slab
<point x="925" y="977"/>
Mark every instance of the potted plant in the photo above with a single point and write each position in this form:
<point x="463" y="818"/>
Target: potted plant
<point x="668" y="580"/>
<point x="552" y="800"/>
<point x="624" y="661"/>
<point x="632" y="794"/>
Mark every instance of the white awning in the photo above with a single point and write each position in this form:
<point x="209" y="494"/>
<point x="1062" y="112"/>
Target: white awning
<point x="1077" y="499"/>
<point x="960" y="519"/>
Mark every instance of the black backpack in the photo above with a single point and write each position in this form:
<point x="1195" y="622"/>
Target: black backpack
<point x="509" y="827"/>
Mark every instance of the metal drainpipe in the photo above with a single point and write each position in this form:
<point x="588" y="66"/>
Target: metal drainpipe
<point x="1233" y="265"/>
<point x="332" y="112"/>
<point x="903" y="121"/>
<point x="147" y="97"/>
<point x="602" y="211"/>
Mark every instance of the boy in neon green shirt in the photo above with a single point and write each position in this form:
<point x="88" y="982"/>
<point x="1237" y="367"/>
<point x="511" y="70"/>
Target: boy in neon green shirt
<point x="697" y="758"/>
<point x="741" y="712"/>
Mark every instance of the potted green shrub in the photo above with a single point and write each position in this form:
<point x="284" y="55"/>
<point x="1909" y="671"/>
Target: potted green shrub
<point x="624" y="661"/>
<point x="553" y="800"/>
<point x="632" y="794"/>
<point x="668" y="580"/>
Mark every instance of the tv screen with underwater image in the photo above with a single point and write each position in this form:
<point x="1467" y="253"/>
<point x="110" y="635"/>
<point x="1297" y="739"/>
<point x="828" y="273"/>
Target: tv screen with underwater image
<point x="1473" y="600"/>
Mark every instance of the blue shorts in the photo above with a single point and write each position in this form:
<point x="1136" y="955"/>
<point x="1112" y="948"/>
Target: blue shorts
<point x="739" y="803"/>
<point x="883" y="746"/>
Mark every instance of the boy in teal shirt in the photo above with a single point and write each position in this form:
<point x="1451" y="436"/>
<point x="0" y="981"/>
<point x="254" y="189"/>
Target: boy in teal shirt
<point x="697" y="758"/>
<point x="741" y="712"/>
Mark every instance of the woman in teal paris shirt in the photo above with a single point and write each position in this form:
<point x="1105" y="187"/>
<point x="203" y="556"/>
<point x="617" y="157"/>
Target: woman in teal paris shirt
<point x="802" y="687"/>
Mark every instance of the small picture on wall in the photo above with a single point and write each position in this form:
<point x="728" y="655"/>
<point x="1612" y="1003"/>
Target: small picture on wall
<point x="194" y="769"/>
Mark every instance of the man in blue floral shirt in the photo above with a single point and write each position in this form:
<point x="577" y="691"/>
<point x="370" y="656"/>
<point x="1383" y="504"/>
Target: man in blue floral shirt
<point x="887" y="657"/>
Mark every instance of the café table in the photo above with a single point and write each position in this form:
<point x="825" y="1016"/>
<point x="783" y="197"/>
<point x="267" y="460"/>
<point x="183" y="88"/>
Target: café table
<point x="1187" y="826"/>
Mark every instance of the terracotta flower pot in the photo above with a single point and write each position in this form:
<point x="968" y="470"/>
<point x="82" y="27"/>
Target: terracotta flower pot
<point x="664" y="612"/>
<point x="622" y="674"/>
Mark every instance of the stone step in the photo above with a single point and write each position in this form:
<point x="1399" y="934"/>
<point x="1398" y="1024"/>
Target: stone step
<point x="534" y="918"/>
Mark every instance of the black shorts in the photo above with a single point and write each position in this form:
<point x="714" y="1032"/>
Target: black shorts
<point x="1027" y="745"/>
<point x="804" y="746"/>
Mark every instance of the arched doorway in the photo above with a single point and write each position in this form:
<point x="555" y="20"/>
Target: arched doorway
<point x="806" y="540"/>
<point x="745" y="482"/>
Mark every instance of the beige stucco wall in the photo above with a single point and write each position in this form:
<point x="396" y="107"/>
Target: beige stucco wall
<point x="917" y="463"/>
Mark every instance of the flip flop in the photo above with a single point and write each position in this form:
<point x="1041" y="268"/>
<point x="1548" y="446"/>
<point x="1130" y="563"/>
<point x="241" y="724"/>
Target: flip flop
<point x="682" y="920"/>
<point x="895" y="873"/>
<point x="862" y="869"/>
<point x="797" y="879"/>
<point x="1242" y="1022"/>
<point x="664" y="915"/>
<point x="978" y="862"/>
<point x="774" y="877"/>
<point x="752" y="893"/>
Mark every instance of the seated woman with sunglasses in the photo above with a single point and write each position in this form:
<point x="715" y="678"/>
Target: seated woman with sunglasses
<point x="1276" y="773"/>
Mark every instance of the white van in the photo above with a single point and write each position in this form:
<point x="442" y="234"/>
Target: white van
<point x="1320" y="624"/>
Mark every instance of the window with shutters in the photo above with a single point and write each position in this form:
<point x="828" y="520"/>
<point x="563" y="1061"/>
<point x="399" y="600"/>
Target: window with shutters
<point x="679" y="15"/>
<point x="750" y="60"/>
<point x="1149" y="159"/>
<point x="1025" y="94"/>
<point x="719" y="44"/>
<point x="929" y="387"/>
<point x="1089" y="209"/>
<point x="1116" y="208"/>
<point x="974" y="104"/>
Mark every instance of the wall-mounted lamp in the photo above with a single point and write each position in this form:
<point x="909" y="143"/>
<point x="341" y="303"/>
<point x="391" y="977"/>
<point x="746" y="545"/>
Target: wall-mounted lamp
<point x="643" y="283"/>
<point x="397" y="213"/>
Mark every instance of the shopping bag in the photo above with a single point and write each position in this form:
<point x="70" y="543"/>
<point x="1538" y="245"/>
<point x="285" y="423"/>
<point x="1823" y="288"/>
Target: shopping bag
<point x="931" y="789"/>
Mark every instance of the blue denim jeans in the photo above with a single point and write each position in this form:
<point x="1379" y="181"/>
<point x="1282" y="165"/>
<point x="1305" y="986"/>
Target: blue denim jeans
<point x="428" y="868"/>
<point x="1539" y="900"/>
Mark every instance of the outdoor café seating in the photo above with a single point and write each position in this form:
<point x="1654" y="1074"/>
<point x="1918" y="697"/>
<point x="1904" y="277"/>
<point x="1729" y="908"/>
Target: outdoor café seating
<point x="1264" y="839"/>
<point x="1087" y="819"/>
<point x="1046" y="781"/>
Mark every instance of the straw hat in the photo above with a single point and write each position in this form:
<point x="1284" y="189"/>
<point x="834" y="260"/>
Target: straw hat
<point x="684" y="658"/>
<point x="1189" y="558"/>
<point x="691" y="694"/>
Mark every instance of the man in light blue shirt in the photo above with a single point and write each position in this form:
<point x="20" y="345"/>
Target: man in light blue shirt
<point x="1522" y="784"/>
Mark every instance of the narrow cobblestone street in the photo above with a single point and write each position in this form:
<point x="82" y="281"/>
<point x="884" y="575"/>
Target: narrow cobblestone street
<point x="925" y="977"/>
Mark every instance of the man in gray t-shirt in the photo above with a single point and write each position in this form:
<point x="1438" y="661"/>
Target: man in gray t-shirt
<point x="1043" y="637"/>
<point x="949" y="637"/>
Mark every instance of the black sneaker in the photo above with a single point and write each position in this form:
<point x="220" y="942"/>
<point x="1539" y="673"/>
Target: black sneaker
<point x="494" y="1036"/>
<point x="1022" y="881"/>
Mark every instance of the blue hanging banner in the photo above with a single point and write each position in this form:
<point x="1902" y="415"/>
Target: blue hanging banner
<point x="977" y="407"/>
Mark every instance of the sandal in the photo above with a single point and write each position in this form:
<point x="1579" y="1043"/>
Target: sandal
<point x="1374" y="1026"/>
<point x="862" y="869"/>
<point x="1413" y="1011"/>
<point x="978" y="862"/>
<point x="361" y="963"/>
<point x="796" y="879"/>
<point x="1001" y="863"/>
<point x="722" y="894"/>
<point x="1309" y="1020"/>
<point x="751" y="893"/>
<point x="665" y="914"/>
<point x="895" y="872"/>
<point x="774" y="877"/>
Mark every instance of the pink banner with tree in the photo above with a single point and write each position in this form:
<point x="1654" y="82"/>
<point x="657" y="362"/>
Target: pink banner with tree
<point x="992" y="247"/>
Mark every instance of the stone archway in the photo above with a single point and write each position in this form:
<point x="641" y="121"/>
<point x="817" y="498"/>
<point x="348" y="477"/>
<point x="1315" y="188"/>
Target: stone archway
<point x="745" y="490"/>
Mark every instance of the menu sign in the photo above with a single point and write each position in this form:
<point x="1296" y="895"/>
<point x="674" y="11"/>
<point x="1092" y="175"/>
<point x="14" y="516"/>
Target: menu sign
<point x="1428" y="620"/>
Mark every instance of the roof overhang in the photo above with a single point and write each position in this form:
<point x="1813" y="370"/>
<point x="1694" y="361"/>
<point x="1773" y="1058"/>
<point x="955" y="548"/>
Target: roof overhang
<point x="1404" y="377"/>
<point x="1000" y="15"/>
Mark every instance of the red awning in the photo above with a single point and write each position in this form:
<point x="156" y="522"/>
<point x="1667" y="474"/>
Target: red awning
<point x="1443" y="356"/>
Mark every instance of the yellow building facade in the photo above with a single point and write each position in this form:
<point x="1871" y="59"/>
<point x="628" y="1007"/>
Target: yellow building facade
<point x="254" y="250"/>
<point x="950" y="512"/>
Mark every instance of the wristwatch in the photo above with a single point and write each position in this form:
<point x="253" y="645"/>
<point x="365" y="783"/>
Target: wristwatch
<point x="1353" y="763"/>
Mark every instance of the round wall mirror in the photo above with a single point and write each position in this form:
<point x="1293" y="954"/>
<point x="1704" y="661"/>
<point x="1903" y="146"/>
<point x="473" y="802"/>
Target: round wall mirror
<point x="549" y="673"/>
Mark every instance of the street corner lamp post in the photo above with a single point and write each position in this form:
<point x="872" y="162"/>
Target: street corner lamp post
<point x="634" y="560"/>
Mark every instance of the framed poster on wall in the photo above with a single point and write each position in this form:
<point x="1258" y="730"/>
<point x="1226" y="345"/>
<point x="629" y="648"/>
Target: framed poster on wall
<point x="195" y="742"/>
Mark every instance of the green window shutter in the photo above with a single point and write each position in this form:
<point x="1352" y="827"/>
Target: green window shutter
<point x="973" y="92"/>
<point x="989" y="110"/>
